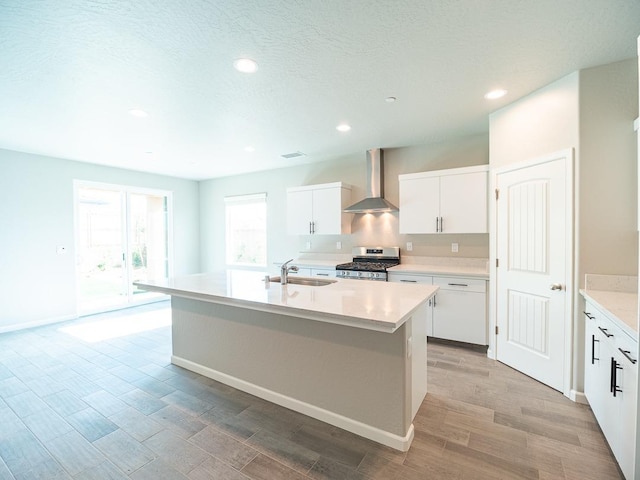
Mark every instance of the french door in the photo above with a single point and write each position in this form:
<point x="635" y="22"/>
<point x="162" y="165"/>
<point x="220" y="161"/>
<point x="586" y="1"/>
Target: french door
<point x="122" y="236"/>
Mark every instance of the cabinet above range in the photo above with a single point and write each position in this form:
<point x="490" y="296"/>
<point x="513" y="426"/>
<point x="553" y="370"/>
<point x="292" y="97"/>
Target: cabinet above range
<point x="318" y="209"/>
<point x="444" y="201"/>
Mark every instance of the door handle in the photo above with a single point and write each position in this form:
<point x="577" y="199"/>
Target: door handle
<point x="556" y="286"/>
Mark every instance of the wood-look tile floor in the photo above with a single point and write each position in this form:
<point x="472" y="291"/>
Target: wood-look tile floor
<point x="115" y="408"/>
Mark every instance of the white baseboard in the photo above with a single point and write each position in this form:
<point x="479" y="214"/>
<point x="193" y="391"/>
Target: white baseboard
<point x="578" y="397"/>
<point x="36" y="323"/>
<point x="367" y="431"/>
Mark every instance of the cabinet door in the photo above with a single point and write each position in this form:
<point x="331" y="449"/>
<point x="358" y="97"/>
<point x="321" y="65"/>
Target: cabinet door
<point x="413" y="278"/>
<point x="460" y="316"/>
<point x="419" y="205"/>
<point x="605" y="411"/>
<point x="299" y="212"/>
<point x="593" y="377"/>
<point x="627" y="382"/>
<point x="327" y="211"/>
<point x="463" y="203"/>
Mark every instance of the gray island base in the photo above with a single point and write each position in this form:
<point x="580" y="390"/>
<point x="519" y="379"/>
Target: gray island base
<point x="352" y="354"/>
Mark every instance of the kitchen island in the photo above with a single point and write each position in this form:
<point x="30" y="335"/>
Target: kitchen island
<point x="351" y="353"/>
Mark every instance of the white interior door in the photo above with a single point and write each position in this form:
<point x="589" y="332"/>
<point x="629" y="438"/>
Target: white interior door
<point x="534" y="234"/>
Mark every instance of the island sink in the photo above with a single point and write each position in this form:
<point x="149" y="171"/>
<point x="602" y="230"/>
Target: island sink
<point x="310" y="282"/>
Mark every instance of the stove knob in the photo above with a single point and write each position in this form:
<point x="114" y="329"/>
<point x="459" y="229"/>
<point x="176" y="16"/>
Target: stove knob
<point x="359" y="274"/>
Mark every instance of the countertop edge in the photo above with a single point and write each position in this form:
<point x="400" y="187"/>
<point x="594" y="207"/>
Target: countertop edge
<point x="367" y="324"/>
<point x="438" y="271"/>
<point x="595" y="296"/>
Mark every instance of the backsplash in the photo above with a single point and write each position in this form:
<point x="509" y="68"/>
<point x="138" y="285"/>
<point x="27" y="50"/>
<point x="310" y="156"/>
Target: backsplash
<point x="611" y="283"/>
<point x="382" y="230"/>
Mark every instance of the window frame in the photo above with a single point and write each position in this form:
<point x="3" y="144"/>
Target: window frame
<point x="242" y="200"/>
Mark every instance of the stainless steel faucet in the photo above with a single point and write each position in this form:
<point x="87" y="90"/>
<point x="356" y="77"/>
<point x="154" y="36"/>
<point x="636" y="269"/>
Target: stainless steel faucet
<point x="284" y="271"/>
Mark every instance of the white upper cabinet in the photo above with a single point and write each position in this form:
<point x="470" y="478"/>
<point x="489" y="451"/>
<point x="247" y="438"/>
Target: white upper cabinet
<point x="444" y="201"/>
<point x="317" y="209"/>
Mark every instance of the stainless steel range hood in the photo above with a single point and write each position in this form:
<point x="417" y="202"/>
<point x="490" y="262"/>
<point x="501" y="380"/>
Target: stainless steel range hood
<point x="375" y="201"/>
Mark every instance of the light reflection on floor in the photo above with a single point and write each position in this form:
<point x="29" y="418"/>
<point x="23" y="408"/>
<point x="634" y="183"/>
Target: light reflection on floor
<point x="93" y="331"/>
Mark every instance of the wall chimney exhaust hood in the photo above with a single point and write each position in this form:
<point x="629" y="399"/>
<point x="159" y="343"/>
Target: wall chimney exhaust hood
<point x="375" y="201"/>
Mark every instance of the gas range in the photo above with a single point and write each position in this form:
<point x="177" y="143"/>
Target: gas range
<point x="369" y="263"/>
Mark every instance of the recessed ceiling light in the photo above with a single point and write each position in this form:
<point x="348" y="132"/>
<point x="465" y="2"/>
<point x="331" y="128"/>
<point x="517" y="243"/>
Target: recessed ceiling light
<point x="136" y="112"/>
<point x="249" y="149"/>
<point x="493" y="94"/>
<point x="245" y="65"/>
<point x="390" y="99"/>
<point x="343" y="127"/>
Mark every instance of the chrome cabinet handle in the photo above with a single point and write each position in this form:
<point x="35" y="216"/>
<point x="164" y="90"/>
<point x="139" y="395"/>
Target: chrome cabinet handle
<point x="322" y="274"/>
<point x="437" y="224"/>
<point x="627" y="354"/>
<point x="556" y="286"/>
<point x="408" y="281"/>
<point x="589" y="316"/>
<point x="458" y="284"/>
<point x="441" y="225"/>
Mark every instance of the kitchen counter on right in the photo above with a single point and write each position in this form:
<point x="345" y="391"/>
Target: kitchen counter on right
<point x="444" y="266"/>
<point x="617" y="295"/>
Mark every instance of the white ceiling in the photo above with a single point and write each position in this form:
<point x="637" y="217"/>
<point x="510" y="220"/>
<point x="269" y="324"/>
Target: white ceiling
<point x="70" y="70"/>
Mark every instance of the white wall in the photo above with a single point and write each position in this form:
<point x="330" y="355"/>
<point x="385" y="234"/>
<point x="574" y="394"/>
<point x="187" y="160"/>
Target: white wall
<point x="608" y="170"/>
<point x="540" y="123"/>
<point x="36" y="215"/>
<point x="591" y="111"/>
<point x="379" y="229"/>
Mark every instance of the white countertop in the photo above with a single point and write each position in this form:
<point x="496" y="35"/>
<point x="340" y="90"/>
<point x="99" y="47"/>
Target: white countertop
<point x="328" y="264"/>
<point x="380" y="306"/>
<point x="621" y="307"/>
<point x="438" y="266"/>
<point x="441" y="270"/>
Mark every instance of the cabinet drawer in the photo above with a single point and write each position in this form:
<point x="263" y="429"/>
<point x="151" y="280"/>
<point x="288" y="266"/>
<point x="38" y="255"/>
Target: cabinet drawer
<point x="407" y="278"/>
<point x="323" y="272"/>
<point x="458" y="283"/>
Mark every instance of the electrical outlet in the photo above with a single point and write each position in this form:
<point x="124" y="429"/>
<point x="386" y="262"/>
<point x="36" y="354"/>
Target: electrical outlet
<point x="454" y="247"/>
<point x="409" y="246"/>
<point x="338" y="245"/>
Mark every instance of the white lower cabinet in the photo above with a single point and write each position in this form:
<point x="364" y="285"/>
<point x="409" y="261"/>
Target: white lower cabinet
<point x="610" y="384"/>
<point x="458" y="310"/>
<point x="409" y="278"/>
<point x="314" y="272"/>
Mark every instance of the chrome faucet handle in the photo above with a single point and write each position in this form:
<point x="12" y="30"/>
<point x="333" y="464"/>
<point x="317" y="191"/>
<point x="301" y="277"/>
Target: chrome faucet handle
<point x="284" y="270"/>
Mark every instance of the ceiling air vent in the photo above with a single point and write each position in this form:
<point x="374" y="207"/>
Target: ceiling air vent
<point x="292" y="155"/>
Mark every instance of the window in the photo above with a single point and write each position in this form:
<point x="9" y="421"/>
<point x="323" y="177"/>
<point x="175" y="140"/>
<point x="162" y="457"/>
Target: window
<point x="246" y="224"/>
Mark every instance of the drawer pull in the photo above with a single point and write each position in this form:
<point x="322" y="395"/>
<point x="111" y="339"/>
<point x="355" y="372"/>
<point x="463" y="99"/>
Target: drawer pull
<point x="627" y="354"/>
<point x="615" y="366"/>
<point x="322" y="274"/>
<point x="588" y="315"/>
<point x="606" y="333"/>
<point x="458" y="284"/>
<point x="408" y="281"/>
<point x="593" y="349"/>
